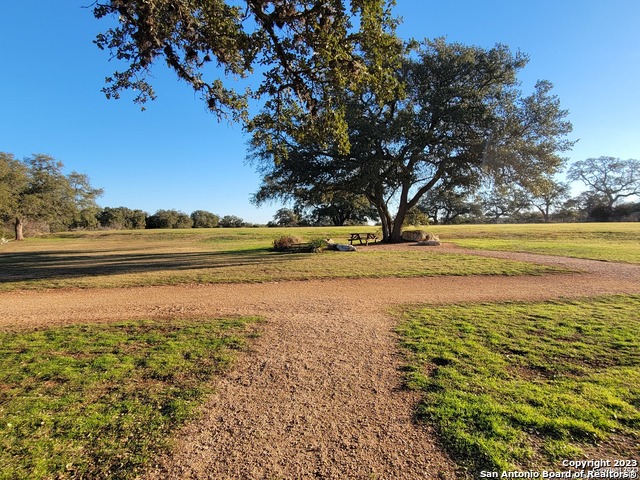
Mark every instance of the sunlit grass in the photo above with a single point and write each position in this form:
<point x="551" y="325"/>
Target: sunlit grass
<point x="524" y="385"/>
<point x="161" y="257"/>
<point x="98" y="401"/>
<point x="618" y="242"/>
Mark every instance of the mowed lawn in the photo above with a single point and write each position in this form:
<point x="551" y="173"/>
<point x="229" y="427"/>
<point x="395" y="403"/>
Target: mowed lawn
<point x="526" y="385"/>
<point x="99" y="401"/>
<point x="170" y="257"/>
<point x="615" y="242"/>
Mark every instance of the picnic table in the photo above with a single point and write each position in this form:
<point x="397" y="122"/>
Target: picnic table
<point x="363" y="238"/>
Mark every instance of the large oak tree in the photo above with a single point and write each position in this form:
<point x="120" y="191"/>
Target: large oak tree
<point x="456" y="116"/>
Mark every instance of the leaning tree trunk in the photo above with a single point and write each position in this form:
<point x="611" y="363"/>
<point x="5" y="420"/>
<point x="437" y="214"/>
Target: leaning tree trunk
<point x="385" y="219"/>
<point x="383" y="213"/>
<point x="18" y="228"/>
<point x="396" y="231"/>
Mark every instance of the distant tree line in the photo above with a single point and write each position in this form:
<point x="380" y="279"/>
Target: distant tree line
<point x="37" y="197"/>
<point x="612" y="185"/>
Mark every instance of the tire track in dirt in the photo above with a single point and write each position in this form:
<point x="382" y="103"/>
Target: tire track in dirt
<point x="319" y="395"/>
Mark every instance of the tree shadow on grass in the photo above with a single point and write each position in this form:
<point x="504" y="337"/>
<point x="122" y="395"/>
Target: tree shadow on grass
<point x="56" y="265"/>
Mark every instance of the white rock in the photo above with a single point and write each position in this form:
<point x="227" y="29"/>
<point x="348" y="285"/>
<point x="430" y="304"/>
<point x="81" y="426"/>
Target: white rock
<point x="345" y="248"/>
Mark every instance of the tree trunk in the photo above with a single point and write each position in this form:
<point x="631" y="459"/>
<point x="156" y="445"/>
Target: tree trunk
<point x="385" y="219"/>
<point x="396" y="232"/>
<point x="18" y="228"/>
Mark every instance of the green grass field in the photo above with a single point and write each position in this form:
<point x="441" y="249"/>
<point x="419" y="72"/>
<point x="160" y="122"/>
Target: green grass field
<point x="525" y="385"/>
<point x="170" y="257"/>
<point x="616" y="242"/>
<point x="505" y="385"/>
<point x="98" y="401"/>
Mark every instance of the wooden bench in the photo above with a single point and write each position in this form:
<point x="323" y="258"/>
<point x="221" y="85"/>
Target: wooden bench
<point x="363" y="238"/>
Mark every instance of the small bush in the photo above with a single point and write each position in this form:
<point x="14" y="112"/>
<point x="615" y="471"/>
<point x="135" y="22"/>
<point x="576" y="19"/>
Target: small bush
<point x="317" y="244"/>
<point x="285" y="242"/>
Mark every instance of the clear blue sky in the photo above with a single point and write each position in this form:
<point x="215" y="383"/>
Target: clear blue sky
<point x="176" y="155"/>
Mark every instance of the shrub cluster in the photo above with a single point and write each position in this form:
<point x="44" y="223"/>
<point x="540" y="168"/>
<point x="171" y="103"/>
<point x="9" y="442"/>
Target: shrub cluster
<point x="122" y="218"/>
<point x="284" y="243"/>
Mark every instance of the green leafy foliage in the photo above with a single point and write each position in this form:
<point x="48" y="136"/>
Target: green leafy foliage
<point x="456" y="116"/>
<point x="37" y="189"/>
<point x="521" y="385"/>
<point x="285" y="217"/>
<point x="608" y="180"/>
<point x="97" y="401"/>
<point x="231" y="221"/>
<point x="169" y="219"/>
<point x="204" y="219"/>
<point x="122" y="218"/>
<point x="303" y="49"/>
<point x="335" y="208"/>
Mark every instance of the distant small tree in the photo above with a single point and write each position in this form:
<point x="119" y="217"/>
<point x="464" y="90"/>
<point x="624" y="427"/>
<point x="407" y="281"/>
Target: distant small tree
<point x="231" y="221"/>
<point x="627" y="212"/>
<point x="114" y="218"/>
<point x="337" y="208"/>
<point x="86" y="219"/>
<point x="122" y="218"/>
<point x="14" y="180"/>
<point x="500" y="201"/>
<point x="285" y="217"/>
<point x="137" y="219"/>
<point x="447" y="205"/>
<point x="204" y="219"/>
<point x="571" y="210"/>
<point x="184" y="221"/>
<point x="600" y="213"/>
<point x="547" y="194"/>
<point x="169" y="219"/>
<point x="416" y="217"/>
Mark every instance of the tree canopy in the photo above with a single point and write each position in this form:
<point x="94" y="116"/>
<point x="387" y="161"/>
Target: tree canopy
<point x="608" y="178"/>
<point x="285" y="217"/>
<point x="37" y="189"/>
<point x="204" y="219"/>
<point x="547" y="194"/>
<point x="302" y="49"/>
<point x="122" y="218"/>
<point x="460" y="116"/>
<point x="337" y="208"/>
<point x="232" y="221"/>
<point x="169" y="219"/>
<point x="347" y="109"/>
<point x="447" y="205"/>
